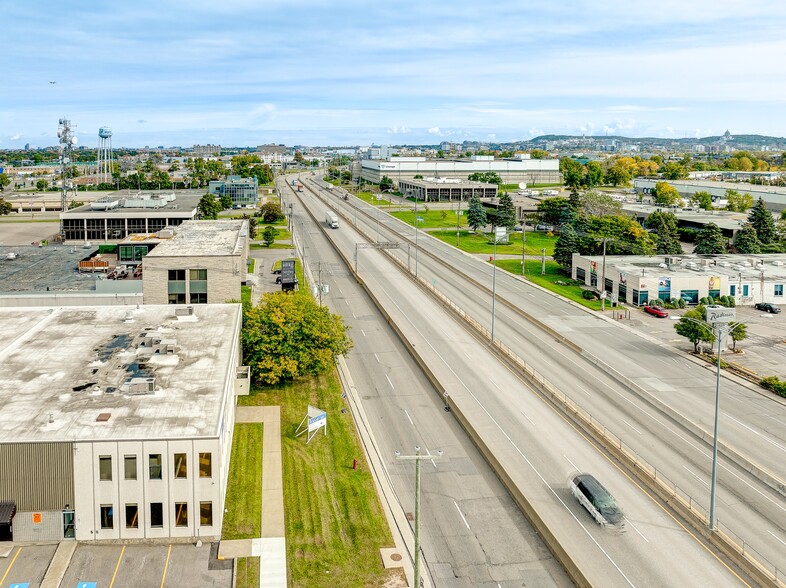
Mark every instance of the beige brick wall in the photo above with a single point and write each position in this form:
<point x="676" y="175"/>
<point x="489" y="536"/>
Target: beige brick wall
<point x="224" y="275"/>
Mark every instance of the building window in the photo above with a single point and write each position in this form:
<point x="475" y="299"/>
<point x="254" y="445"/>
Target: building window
<point x="623" y="293"/>
<point x="608" y="285"/>
<point x="181" y="514"/>
<point x="745" y="289"/>
<point x="176" y="286"/>
<point x="581" y="274"/>
<point x="593" y="279"/>
<point x="130" y="467"/>
<point x="205" y="465"/>
<point x="156" y="515"/>
<point x="197" y="286"/>
<point x="132" y="516"/>
<point x="778" y="290"/>
<point x="714" y="293"/>
<point x="155" y="466"/>
<point x="732" y="289"/>
<point x="181" y="468"/>
<point x="107" y="517"/>
<point x="206" y="514"/>
<point x="105" y="468"/>
<point x="690" y="296"/>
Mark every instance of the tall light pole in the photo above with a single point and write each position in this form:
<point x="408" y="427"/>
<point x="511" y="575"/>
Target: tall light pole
<point x="499" y="232"/>
<point x="417" y="459"/>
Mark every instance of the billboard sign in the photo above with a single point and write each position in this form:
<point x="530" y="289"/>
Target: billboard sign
<point x="720" y="314"/>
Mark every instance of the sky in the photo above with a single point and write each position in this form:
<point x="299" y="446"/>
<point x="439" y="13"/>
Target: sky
<point x="311" y="72"/>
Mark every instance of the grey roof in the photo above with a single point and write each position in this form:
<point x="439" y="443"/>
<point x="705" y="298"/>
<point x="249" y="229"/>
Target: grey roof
<point x="61" y="368"/>
<point x="36" y="269"/>
<point x="204" y="237"/>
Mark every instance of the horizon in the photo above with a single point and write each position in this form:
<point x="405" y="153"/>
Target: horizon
<point x="312" y="73"/>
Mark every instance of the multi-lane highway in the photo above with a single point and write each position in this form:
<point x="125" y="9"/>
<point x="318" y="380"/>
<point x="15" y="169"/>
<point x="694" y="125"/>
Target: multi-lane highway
<point x="538" y="448"/>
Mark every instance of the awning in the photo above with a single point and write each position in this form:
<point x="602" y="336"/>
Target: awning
<point x="7" y="511"/>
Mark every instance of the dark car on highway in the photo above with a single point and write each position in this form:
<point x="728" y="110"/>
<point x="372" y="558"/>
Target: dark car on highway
<point x="656" y="311"/>
<point x="766" y="306"/>
<point x="596" y="499"/>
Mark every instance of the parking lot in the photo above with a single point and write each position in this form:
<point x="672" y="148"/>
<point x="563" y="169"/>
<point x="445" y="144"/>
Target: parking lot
<point x="119" y="566"/>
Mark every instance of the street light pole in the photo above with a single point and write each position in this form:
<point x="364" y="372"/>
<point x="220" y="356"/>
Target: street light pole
<point x="603" y="279"/>
<point x="493" y="289"/>
<point x="714" y="477"/>
<point x="416" y="236"/>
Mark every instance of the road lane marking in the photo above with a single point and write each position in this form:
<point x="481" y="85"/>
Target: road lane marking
<point x="362" y="331"/>
<point x="583" y="389"/>
<point x="631" y="426"/>
<point x="627" y="520"/>
<point x="695" y="476"/>
<point x="461" y="514"/>
<point x="575" y="467"/>
<point x="166" y="565"/>
<point x="376" y="357"/>
<point x="754" y="431"/>
<point x="10" y="566"/>
<point x="526" y="417"/>
<point x="389" y="382"/>
<point x="410" y="418"/>
<point x="117" y="566"/>
<point x="495" y="384"/>
<point x="468" y="355"/>
<point x="778" y="538"/>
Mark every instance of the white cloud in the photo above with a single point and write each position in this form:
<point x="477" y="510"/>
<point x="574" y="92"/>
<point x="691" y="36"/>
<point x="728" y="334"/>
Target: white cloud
<point x="434" y="131"/>
<point x="15" y="137"/>
<point x="402" y="130"/>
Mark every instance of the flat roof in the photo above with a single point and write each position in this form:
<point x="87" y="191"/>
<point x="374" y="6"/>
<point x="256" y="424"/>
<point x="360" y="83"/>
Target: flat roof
<point x="729" y="265"/>
<point x="184" y="204"/>
<point x="725" y="219"/>
<point x="204" y="237"/>
<point x="447" y="183"/>
<point x="25" y="268"/>
<point x="61" y="368"/>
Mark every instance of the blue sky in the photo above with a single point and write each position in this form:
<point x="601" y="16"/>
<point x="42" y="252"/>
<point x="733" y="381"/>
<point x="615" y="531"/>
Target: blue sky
<point x="239" y="72"/>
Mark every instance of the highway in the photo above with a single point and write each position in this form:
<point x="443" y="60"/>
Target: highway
<point x="746" y="507"/>
<point x="536" y="445"/>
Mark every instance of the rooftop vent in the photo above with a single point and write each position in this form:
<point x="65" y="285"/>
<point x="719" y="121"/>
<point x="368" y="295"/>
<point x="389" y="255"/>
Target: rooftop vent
<point x="142" y="385"/>
<point x="777" y="262"/>
<point x="187" y="311"/>
<point x="103" y="417"/>
<point x="129" y="318"/>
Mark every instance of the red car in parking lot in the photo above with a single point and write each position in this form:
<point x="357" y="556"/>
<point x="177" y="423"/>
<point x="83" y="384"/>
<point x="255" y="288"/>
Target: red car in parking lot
<point x="656" y="311"/>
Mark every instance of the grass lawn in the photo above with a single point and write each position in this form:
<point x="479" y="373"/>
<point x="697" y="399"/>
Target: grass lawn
<point x="478" y="243"/>
<point x="553" y="274"/>
<point x="372" y="198"/>
<point x="247" y="572"/>
<point x="251" y="265"/>
<point x="242" y="520"/>
<point x="245" y="294"/>
<point x="432" y="219"/>
<point x="334" y="521"/>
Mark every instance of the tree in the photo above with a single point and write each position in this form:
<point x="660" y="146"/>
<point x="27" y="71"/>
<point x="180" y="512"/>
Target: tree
<point x="386" y="184"/>
<point x="598" y="204"/>
<point x="665" y="194"/>
<point x="440" y="154"/>
<point x="486" y="177"/>
<point x="618" y="175"/>
<point x="550" y="209"/>
<point x="746" y="241"/>
<point x="710" y="241"/>
<point x="567" y="244"/>
<point x="5" y="207"/>
<point x="762" y="221"/>
<point x="506" y="214"/>
<point x="288" y="335"/>
<point x="270" y="212"/>
<point x="739" y="332"/>
<point x="738" y="202"/>
<point x="674" y="171"/>
<point x="226" y="201"/>
<point x="702" y="199"/>
<point x="664" y="227"/>
<point x="476" y="214"/>
<point x="269" y="235"/>
<point x="174" y="167"/>
<point x="624" y="236"/>
<point x="299" y="157"/>
<point x="209" y="207"/>
<point x="538" y="154"/>
<point x="594" y="175"/>
<point x="418" y="177"/>
<point x="572" y="173"/>
<point x="692" y="331"/>
<point x="4" y="181"/>
<point x="41" y="185"/>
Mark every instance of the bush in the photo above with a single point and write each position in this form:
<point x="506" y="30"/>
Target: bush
<point x="774" y="384"/>
<point x="588" y="295"/>
<point x="681" y="303"/>
<point x="687" y="234"/>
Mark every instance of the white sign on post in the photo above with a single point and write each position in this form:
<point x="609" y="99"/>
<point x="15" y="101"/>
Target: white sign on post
<point x="314" y="420"/>
<point x="720" y="314"/>
<point x="500" y="235"/>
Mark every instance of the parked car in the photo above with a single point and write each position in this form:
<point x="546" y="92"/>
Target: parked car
<point x="517" y="229"/>
<point x="596" y="499"/>
<point x="766" y="306"/>
<point x="656" y="311"/>
<point x="544" y="228"/>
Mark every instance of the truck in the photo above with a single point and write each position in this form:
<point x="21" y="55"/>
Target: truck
<point x="331" y="220"/>
<point x="288" y="278"/>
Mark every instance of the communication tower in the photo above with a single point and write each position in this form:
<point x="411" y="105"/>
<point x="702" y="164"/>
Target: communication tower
<point x="104" y="171"/>
<point x="66" y="134"/>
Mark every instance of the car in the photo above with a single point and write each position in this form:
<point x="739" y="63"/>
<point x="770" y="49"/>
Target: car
<point x="596" y="499"/>
<point x="656" y="311"/>
<point x="517" y="229"/>
<point x="766" y="306"/>
<point x="544" y="228"/>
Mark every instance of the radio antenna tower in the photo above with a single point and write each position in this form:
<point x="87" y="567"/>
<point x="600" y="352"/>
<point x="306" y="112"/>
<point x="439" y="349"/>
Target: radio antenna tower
<point x="67" y="136"/>
<point x="105" y="169"/>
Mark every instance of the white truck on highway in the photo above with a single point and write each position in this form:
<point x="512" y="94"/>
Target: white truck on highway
<point x="331" y="220"/>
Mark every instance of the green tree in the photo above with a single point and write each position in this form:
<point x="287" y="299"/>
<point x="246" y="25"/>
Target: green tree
<point x="710" y="241"/>
<point x="5" y="207"/>
<point x="692" y="331"/>
<point x="386" y="184"/>
<point x="665" y="194"/>
<point x="702" y="199"/>
<point x="4" y="181"/>
<point x="418" y="177"/>
<point x="476" y="214"/>
<point x="572" y="173"/>
<point x="746" y="240"/>
<point x="618" y="175"/>
<point x="598" y="204"/>
<point x="299" y="157"/>
<point x="674" y="171"/>
<point x="440" y="154"/>
<point x="506" y="213"/>
<point x="209" y="207"/>
<point x="41" y="185"/>
<point x="269" y="235"/>
<point x="624" y="236"/>
<point x="664" y="227"/>
<point x="739" y="332"/>
<point x="551" y="209"/>
<point x="288" y="335"/>
<point x="762" y="221"/>
<point x="174" y="167"/>
<point x="270" y="212"/>
<point x="738" y="202"/>
<point x="226" y="201"/>
<point x="594" y="175"/>
<point x="486" y="177"/>
<point x="567" y="244"/>
<point x="538" y="154"/>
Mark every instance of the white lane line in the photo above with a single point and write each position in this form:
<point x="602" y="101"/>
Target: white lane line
<point x="353" y="315"/>
<point x="583" y="389"/>
<point x="631" y="426"/>
<point x="389" y="382"/>
<point x="495" y="384"/>
<point x="781" y="447"/>
<point x="376" y="357"/>
<point x="410" y="418"/>
<point x="526" y="417"/>
<point x="575" y="467"/>
<point x="461" y="514"/>
<point x="434" y="464"/>
<point x="627" y="520"/>
<point x="778" y="538"/>
<point x="695" y="476"/>
<point x="347" y="301"/>
<point x="362" y="331"/>
<point x="468" y="355"/>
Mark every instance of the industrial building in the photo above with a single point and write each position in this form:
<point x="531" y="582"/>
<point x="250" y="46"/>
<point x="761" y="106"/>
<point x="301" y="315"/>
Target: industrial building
<point x="243" y="191"/>
<point x="774" y="197"/>
<point x="512" y="170"/>
<point x="446" y="189"/>
<point x="203" y="263"/>
<point x="636" y="280"/>
<point x="117" y="422"/>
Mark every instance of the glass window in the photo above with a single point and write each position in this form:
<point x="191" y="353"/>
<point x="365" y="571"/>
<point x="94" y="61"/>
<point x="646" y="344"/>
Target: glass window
<point x="732" y="290"/>
<point x="181" y="468"/>
<point x="177" y="298"/>
<point x="156" y="514"/>
<point x="205" y="465"/>
<point x="623" y="293"/>
<point x="132" y="516"/>
<point x="581" y="275"/>
<point x="105" y="467"/>
<point x="608" y="284"/>
<point x="126" y="253"/>
<point x="155" y="466"/>
<point x="206" y="514"/>
<point x="130" y="467"/>
<point x="593" y="279"/>
<point x="690" y="296"/>
<point x="177" y="275"/>
<point x="714" y="293"/>
<point x="778" y="290"/>
<point x="745" y="289"/>
<point x="181" y="514"/>
<point x="197" y="298"/>
<point x="197" y="274"/>
<point x="107" y="516"/>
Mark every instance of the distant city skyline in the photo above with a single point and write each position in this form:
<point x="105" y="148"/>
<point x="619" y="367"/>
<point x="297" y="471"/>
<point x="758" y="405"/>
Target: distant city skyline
<point x="317" y="73"/>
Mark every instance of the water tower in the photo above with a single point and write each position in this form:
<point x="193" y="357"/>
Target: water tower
<point x="105" y="169"/>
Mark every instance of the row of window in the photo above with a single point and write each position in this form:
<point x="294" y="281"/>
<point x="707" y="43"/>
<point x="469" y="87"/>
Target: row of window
<point x="197" y="286"/>
<point x="155" y="466"/>
<point x="156" y="515"/>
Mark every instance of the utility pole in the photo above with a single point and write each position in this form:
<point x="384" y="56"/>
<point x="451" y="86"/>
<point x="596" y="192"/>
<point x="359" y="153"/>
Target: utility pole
<point x="523" y="248"/>
<point x="603" y="279"/>
<point x="319" y="279"/>
<point x="417" y="459"/>
<point x="543" y="262"/>
<point x="416" y="236"/>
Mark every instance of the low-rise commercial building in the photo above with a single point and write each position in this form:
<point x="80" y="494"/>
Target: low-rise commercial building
<point x="242" y="191"/>
<point x="446" y="189"/>
<point x="774" y="197"/>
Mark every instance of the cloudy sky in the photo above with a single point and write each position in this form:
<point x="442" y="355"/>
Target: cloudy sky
<point x="311" y="72"/>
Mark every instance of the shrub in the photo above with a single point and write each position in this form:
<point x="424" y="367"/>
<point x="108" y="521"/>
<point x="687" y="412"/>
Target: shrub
<point x="588" y="295"/>
<point x="774" y="384"/>
<point x="657" y="302"/>
<point x="681" y="303"/>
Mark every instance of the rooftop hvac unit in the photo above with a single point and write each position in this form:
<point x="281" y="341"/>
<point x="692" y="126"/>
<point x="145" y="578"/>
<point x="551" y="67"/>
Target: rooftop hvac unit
<point x="725" y="264"/>
<point x="777" y="262"/>
<point x="142" y="385"/>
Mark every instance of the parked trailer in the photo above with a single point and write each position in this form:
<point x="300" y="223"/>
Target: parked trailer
<point x="331" y="220"/>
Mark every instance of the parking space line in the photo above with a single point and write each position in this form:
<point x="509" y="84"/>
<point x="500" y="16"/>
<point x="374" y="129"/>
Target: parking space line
<point x="10" y="566"/>
<point x="166" y="565"/>
<point x="117" y="566"/>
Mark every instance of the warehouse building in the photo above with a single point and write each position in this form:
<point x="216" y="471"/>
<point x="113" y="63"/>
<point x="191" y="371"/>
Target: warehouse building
<point x="774" y="197"/>
<point x="446" y="189"/>
<point x="117" y="423"/>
